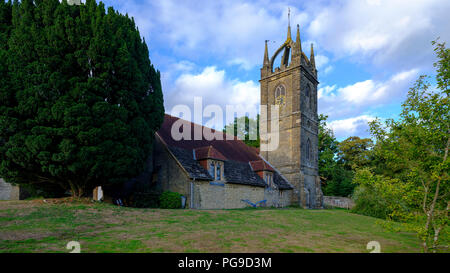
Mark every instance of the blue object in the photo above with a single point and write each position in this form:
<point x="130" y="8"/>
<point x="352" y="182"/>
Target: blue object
<point x="254" y="204"/>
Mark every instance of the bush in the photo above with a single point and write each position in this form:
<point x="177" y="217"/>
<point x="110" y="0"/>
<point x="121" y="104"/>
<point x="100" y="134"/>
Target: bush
<point x="368" y="202"/>
<point x="170" y="200"/>
<point x="145" y="200"/>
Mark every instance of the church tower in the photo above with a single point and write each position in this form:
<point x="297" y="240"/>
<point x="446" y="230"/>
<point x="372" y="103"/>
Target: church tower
<point x="292" y="84"/>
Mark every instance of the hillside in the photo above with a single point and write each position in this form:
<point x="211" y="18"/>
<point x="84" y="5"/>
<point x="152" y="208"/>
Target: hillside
<point x="38" y="226"/>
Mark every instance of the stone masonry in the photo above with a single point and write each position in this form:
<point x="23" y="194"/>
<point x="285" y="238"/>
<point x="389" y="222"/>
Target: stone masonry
<point x="297" y="154"/>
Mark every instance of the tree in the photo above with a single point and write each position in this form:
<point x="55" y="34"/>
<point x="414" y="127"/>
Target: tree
<point x="337" y="180"/>
<point x="412" y="172"/>
<point x="83" y="101"/>
<point x="245" y="128"/>
<point x="355" y="152"/>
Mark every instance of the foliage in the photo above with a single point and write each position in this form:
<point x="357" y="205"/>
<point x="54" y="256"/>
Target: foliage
<point x="246" y="129"/>
<point x="170" y="200"/>
<point x="354" y="152"/>
<point x="337" y="178"/>
<point x="376" y="195"/>
<point x="412" y="167"/>
<point x="80" y="99"/>
<point x="145" y="200"/>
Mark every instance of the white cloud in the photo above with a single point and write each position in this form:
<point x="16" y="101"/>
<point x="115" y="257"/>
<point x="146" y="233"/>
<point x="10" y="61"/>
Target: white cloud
<point x="321" y="61"/>
<point x="213" y="87"/>
<point x="241" y="63"/>
<point x="388" y="37"/>
<point x="326" y="91"/>
<point x="351" y="126"/>
<point x="231" y="31"/>
<point x="393" y="33"/>
<point x="351" y="99"/>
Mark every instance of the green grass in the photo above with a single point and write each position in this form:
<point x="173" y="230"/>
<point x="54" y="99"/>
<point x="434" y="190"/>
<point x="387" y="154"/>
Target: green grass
<point x="34" y="226"/>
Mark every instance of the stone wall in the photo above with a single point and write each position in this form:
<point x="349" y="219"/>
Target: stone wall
<point x="337" y="201"/>
<point x="169" y="174"/>
<point x="219" y="195"/>
<point x="277" y="198"/>
<point x="209" y="196"/>
<point x="235" y="193"/>
<point x="8" y="191"/>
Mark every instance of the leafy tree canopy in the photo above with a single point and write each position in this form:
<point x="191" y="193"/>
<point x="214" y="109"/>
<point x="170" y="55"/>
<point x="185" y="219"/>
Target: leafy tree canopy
<point x="411" y="167"/>
<point x="336" y="179"/>
<point x="246" y="129"/>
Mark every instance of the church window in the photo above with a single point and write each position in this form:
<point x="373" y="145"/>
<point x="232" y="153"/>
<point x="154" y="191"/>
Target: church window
<point x="308" y="90"/>
<point x="280" y="95"/>
<point x="308" y="150"/>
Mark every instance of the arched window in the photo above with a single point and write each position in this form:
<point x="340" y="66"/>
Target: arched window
<point x="280" y="95"/>
<point x="308" y="150"/>
<point x="308" y="90"/>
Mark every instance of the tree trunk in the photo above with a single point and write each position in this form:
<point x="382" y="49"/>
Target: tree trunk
<point x="76" y="189"/>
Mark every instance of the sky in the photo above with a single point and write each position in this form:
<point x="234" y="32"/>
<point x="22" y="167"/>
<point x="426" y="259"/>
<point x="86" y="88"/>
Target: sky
<point x="368" y="52"/>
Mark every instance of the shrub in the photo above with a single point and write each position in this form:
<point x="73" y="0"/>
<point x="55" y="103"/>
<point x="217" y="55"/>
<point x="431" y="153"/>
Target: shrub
<point x="145" y="200"/>
<point x="170" y="200"/>
<point x="368" y="202"/>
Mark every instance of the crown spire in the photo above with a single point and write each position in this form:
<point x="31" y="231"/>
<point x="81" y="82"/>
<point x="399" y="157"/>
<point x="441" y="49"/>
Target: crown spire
<point x="311" y="59"/>
<point x="298" y="43"/>
<point x="266" y="55"/>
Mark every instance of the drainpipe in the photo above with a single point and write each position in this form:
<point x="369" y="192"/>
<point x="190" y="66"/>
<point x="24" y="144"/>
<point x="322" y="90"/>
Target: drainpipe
<point x="192" y="194"/>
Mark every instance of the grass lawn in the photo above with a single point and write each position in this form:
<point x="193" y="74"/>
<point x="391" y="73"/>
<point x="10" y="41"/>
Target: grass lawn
<point x="36" y="226"/>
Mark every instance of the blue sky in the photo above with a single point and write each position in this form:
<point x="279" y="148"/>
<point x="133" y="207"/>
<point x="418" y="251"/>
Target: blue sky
<point x="368" y="52"/>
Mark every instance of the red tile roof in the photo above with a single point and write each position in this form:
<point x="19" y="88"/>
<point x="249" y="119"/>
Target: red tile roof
<point x="234" y="149"/>
<point x="260" y="165"/>
<point x="208" y="152"/>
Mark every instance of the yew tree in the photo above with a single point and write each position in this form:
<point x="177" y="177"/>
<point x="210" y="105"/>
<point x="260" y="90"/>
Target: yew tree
<point x="79" y="98"/>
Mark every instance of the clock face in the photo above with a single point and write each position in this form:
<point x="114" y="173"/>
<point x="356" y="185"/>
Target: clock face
<point x="280" y="100"/>
<point x="280" y="95"/>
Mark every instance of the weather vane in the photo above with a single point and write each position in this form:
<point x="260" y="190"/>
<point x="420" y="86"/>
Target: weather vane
<point x="289" y="16"/>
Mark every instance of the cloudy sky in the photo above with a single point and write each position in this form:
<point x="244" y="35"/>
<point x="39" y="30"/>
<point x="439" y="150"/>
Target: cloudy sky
<point x="368" y="52"/>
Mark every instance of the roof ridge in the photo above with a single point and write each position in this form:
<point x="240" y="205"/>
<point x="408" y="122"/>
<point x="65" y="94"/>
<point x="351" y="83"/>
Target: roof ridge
<point x="276" y="170"/>
<point x="203" y="126"/>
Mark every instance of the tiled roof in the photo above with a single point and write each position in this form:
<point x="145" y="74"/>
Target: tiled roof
<point x="235" y="154"/>
<point x="281" y="182"/>
<point x="208" y="152"/>
<point x="260" y="165"/>
<point x="192" y="167"/>
<point x="241" y="173"/>
<point x="231" y="149"/>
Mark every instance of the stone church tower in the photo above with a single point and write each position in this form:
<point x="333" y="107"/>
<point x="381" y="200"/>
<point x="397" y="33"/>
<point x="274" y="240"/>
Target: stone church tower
<point x="292" y="85"/>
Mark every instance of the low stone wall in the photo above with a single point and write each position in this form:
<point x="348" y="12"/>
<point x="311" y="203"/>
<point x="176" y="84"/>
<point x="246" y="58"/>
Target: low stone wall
<point x="8" y="191"/>
<point x="337" y="201"/>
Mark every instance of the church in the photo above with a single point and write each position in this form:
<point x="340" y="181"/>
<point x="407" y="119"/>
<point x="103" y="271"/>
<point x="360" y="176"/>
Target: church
<point x="225" y="174"/>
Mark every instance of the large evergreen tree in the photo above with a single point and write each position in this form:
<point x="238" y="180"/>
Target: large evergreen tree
<point x="81" y="100"/>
